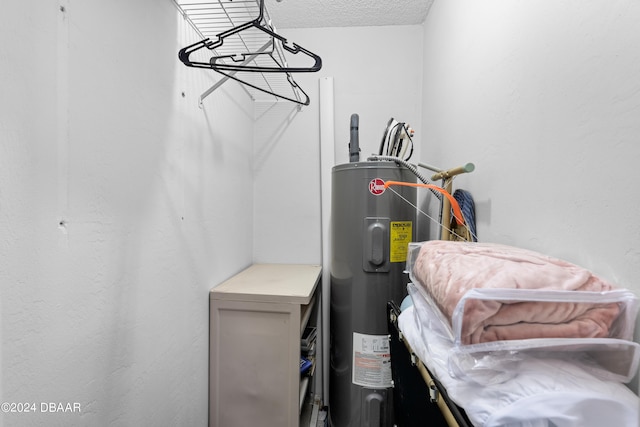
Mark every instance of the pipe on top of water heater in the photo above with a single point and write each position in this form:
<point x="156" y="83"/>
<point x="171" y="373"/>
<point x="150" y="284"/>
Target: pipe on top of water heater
<point x="354" y="142"/>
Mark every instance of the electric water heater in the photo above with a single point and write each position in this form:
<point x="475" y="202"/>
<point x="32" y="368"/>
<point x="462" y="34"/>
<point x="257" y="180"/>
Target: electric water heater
<point x="372" y="225"/>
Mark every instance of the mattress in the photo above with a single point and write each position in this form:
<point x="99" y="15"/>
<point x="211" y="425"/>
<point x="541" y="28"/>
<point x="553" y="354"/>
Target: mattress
<point x="538" y="390"/>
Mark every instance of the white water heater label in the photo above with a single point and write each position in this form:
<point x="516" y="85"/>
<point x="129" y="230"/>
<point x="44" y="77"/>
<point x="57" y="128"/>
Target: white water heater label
<point x="371" y="361"/>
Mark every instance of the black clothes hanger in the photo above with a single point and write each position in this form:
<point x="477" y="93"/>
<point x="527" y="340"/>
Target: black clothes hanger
<point x="294" y="87"/>
<point x="215" y="61"/>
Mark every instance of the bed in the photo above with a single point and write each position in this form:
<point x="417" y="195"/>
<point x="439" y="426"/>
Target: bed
<point x="564" y="368"/>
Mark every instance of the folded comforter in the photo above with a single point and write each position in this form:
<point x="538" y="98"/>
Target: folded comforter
<point x="447" y="270"/>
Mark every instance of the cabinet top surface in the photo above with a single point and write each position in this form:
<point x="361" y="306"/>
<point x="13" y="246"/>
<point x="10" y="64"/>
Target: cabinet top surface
<point x="294" y="283"/>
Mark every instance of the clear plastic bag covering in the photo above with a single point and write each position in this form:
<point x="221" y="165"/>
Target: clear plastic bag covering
<point x="489" y="363"/>
<point x="498" y="361"/>
<point x="485" y="315"/>
<point x="527" y="295"/>
<point x="514" y="390"/>
<point x="434" y="332"/>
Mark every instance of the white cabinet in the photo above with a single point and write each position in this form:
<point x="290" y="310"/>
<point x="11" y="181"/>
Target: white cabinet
<point x="256" y="320"/>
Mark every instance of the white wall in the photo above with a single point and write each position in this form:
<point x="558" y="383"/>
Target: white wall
<point x="121" y="204"/>
<point x="544" y="97"/>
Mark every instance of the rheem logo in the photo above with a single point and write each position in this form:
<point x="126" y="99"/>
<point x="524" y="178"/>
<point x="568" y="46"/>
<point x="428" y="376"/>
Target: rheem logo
<point x="376" y="186"/>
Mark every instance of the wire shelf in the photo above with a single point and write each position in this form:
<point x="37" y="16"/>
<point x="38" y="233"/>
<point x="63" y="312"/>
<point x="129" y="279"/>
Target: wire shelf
<point x="211" y="18"/>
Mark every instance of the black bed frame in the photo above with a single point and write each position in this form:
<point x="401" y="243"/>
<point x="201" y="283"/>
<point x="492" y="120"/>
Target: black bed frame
<point x="413" y="398"/>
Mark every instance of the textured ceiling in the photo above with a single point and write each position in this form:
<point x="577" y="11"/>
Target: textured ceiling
<point x="346" y="13"/>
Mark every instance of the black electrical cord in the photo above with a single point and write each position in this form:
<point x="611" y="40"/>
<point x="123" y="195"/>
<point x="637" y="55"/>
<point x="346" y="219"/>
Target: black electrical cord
<point x="394" y="150"/>
<point x="411" y="141"/>
<point x="393" y="142"/>
<point x="385" y="137"/>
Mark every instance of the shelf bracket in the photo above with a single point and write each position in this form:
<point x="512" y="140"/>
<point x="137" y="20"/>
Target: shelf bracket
<point x="225" y="78"/>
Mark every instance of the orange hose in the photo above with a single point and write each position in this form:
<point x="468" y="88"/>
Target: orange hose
<point x="457" y="213"/>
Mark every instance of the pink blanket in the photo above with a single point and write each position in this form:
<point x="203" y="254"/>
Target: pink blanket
<point x="447" y="270"/>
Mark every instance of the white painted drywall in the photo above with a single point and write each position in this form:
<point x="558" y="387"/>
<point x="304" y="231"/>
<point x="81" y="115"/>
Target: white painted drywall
<point x="544" y="97"/>
<point x="121" y="204"/>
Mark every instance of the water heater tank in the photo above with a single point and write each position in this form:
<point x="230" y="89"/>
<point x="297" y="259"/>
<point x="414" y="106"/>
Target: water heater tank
<point x="370" y="232"/>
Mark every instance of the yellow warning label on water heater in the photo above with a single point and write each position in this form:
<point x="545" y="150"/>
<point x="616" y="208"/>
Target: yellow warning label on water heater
<point x="401" y="233"/>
